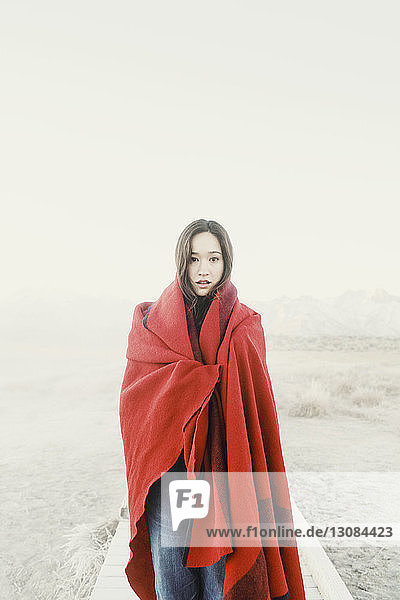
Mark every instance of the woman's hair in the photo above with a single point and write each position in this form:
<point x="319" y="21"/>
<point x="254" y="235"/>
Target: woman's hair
<point x="183" y="252"/>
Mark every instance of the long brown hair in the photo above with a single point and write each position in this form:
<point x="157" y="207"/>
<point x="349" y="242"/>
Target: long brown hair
<point x="183" y="253"/>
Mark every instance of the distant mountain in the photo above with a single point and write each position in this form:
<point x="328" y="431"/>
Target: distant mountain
<point x="355" y="312"/>
<point x="61" y="323"/>
<point x="79" y="322"/>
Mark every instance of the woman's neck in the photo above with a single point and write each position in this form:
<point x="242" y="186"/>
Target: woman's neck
<point x="200" y="309"/>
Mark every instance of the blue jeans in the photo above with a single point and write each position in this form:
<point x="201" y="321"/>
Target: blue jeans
<point x="173" y="581"/>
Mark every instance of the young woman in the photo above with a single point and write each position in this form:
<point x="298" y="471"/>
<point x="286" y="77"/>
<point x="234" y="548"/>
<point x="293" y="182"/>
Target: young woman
<point x="196" y="397"/>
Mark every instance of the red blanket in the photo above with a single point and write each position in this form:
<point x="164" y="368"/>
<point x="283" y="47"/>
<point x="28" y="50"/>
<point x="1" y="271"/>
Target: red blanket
<point x="210" y="394"/>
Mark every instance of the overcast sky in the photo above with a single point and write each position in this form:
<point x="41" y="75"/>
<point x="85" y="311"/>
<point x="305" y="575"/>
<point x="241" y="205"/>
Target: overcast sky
<point x="121" y="122"/>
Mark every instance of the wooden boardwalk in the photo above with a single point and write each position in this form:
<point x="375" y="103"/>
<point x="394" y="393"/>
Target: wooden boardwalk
<point x="321" y="580"/>
<point x="112" y="583"/>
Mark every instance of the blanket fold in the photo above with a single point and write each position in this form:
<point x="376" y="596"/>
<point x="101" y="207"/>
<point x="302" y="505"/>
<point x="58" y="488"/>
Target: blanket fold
<point x="210" y="395"/>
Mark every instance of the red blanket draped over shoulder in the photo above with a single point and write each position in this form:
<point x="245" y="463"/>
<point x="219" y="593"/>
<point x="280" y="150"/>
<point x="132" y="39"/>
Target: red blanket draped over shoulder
<point x="212" y="396"/>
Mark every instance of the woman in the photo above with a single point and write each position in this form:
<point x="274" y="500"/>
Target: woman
<point x="196" y="398"/>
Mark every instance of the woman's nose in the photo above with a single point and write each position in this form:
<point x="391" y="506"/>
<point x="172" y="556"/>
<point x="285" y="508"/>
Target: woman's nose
<point x="203" y="269"/>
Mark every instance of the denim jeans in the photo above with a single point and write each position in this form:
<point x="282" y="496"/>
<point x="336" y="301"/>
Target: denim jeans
<point x="173" y="581"/>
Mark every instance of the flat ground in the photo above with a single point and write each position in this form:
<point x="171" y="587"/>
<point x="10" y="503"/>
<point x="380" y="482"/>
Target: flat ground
<point x="63" y="473"/>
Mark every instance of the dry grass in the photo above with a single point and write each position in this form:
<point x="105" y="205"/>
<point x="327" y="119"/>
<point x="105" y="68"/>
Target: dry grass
<point x="367" y="397"/>
<point x="365" y="391"/>
<point x="71" y="574"/>
<point x="312" y="401"/>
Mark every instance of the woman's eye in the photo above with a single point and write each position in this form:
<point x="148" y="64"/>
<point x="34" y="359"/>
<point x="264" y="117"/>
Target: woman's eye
<point x="213" y="258"/>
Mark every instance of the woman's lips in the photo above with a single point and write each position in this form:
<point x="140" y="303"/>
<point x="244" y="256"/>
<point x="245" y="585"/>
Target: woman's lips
<point x="203" y="285"/>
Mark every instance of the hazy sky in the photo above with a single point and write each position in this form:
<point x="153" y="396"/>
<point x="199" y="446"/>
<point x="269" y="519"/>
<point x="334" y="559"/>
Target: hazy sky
<point x="121" y="122"/>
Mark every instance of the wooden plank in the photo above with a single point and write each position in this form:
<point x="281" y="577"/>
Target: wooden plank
<point x="328" y="581"/>
<point x="308" y="580"/>
<point x="313" y="594"/>
<point x="115" y="594"/>
<point x="112" y="583"/>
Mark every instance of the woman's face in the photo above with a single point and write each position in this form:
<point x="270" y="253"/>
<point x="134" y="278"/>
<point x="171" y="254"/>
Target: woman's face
<point x="205" y="263"/>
